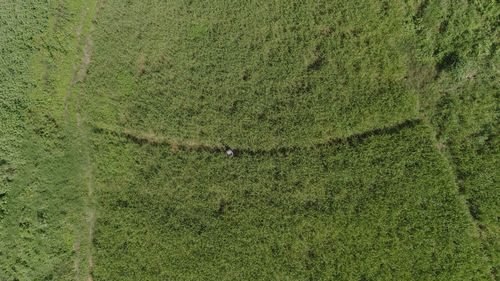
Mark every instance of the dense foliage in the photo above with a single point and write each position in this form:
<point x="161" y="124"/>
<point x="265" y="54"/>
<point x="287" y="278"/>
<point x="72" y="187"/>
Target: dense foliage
<point x="365" y="137"/>
<point x="253" y="75"/>
<point x="15" y="48"/>
<point x="384" y="207"/>
<point x="459" y="90"/>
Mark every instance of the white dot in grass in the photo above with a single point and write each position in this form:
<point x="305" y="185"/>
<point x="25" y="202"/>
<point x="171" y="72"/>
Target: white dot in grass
<point x="229" y="152"/>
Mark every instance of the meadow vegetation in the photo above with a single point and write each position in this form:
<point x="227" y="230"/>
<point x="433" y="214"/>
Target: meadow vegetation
<point x="458" y="81"/>
<point x="365" y="133"/>
<point x="254" y="75"/>
<point x="41" y="193"/>
<point x="384" y="207"/>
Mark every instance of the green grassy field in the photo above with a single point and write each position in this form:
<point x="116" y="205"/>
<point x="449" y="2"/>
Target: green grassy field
<point x="460" y="99"/>
<point x="42" y="194"/>
<point x="365" y="133"/>
<point x="384" y="207"/>
<point x="253" y="75"/>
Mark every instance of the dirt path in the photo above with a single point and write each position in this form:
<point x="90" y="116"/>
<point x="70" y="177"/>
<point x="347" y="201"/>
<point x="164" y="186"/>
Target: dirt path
<point x="75" y="68"/>
<point x="76" y="245"/>
<point x="175" y="145"/>
<point x="76" y="263"/>
<point x="91" y="233"/>
<point x="81" y="133"/>
<point x="84" y="66"/>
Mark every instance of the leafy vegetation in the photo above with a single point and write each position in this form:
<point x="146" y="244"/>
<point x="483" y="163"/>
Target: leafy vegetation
<point x="14" y="52"/>
<point x="460" y="98"/>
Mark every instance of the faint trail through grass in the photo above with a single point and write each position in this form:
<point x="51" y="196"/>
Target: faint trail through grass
<point x="76" y="246"/>
<point x="75" y="69"/>
<point x="78" y="75"/>
<point x="153" y="139"/>
<point x="86" y="60"/>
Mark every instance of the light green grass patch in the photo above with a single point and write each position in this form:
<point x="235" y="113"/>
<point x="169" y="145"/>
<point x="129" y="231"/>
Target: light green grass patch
<point x="253" y="75"/>
<point x="41" y="194"/>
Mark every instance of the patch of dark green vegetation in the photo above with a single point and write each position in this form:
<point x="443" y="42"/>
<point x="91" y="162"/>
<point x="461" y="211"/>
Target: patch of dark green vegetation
<point x="17" y="25"/>
<point x="295" y="74"/>
<point x="381" y="208"/>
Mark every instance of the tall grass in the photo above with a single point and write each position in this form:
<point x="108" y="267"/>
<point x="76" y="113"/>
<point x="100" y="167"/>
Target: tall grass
<point x="458" y="84"/>
<point x="383" y="207"/>
<point x="253" y="75"/>
<point x="365" y="136"/>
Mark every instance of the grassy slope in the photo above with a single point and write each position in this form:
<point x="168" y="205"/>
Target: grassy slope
<point x="381" y="208"/>
<point x="457" y="78"/>
<point x="252" y="75"/>
<point x="41" y="215"/>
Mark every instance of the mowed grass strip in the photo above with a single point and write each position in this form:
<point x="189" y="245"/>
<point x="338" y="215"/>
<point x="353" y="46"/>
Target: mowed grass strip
<point x="380" y="208"/>
<point x="252" y="74"/>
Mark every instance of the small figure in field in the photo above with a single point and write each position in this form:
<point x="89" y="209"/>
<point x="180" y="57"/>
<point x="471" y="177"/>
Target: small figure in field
<point x="229" y="152"/>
